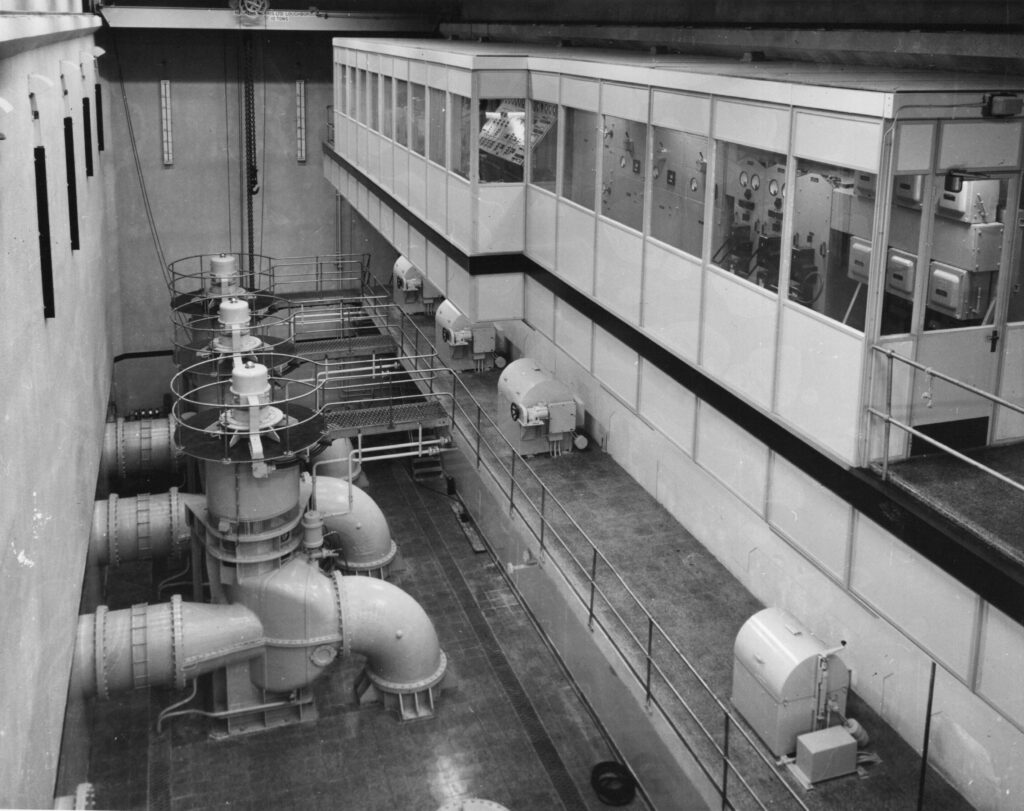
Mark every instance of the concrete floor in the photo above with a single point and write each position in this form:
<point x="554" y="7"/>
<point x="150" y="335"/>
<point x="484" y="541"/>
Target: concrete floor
<point x="510" y="728"/>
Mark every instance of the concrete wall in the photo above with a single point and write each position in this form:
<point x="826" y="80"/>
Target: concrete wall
<point x="56" y="375"/>
<point x="198" y="202"/>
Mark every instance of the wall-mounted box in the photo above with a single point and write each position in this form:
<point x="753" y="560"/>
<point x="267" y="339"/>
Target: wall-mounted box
<point x="899" y="273"/>
<point x="957" y="292"/>
<point x="860" y="260"/>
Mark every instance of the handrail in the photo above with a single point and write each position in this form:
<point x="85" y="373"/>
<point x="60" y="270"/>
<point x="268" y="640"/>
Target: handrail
<point x="888" y="420"/>
<point x="472" y="428"/>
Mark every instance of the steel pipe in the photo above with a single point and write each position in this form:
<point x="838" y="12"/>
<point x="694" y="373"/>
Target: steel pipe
<point x="138" y="447"/>
<point x="355" y="527"/>
<point x="142" y="527"/>
<point x="168" y="643"/>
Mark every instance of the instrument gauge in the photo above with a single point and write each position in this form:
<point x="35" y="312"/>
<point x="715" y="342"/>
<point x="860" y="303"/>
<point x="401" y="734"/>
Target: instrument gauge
<point x="755" y="182"/>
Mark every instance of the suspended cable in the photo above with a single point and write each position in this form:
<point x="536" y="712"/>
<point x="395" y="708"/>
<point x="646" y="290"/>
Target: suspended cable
<point x="227" y="143"/>
<point x="263" y="147"/>
<point x="252" y="171"/>
<point x="138" y="167"/>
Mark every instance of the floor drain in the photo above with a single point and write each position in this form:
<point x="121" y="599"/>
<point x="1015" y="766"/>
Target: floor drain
<point x="613" y="783"/>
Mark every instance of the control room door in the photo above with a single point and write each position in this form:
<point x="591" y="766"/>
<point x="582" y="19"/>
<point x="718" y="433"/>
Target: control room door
<point x="960" y="317"/>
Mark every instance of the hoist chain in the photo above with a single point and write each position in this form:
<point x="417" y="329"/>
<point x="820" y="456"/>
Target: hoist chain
<point x="251" y="171"/>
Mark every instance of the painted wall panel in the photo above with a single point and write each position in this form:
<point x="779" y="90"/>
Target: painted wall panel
<point x="460" y="289"/>
<point x="819" y="380"/>
<point x="417" y="252"/>
<point x="576" y="247"/>
<point x="417" y="185"/>
<point x="501" y="218"/>
<point x="834" y="139"/>
<point x="541" y="210"/>
<point x="573" y="333"/>
<point x="540" y="308"/>
<point x="580" y="93"/>
<point x="671" y="300"/>
<point x="929" y="605"/>
<point x="1002" y="663"/>
<point x="499" y="296"/>
<point x="668" y="406"/>
<point x="460" y="220"/>
<point x="624" y="101"/>
<point x="733" y="456"/>
<point x="813" y="518"/>
<point x="752" y="124"/>
<point x="681" y="111"/>
<point x="618" y="279"/>
<point x="437" y="194"/>
<point x="544" y="86"/>
<point x="738" y="342"/>
<point x="981" y="144"/>
<point x="436" y="269"/>
<point x="402" y="175"/>
<point x="1010" y="424"/>
<point x="616" y="366"/>
<point x="914" y="147"/>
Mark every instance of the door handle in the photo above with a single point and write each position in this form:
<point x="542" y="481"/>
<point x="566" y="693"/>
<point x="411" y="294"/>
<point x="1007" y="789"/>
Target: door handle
<point x="993" y="339"/>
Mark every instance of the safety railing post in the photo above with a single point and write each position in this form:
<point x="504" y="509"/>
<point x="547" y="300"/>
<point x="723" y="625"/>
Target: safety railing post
<point x="725" y="764"/>
<point x="593" y="586"/>
<point x="543" y="521"/>
<point x="887" y="430"/>
<point x="478" y="432"/>
<point x="512" y="485"/>
<point x="650" y="646"/>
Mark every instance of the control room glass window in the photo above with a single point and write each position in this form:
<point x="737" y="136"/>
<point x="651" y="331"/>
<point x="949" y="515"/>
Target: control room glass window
<point x="622" y="170"/>
<point x="750" y="193"/>
<point x="833" y="211"/>
<point x="387" y="114"/>
<point x="543" y="144"/>
<point x="418" y="119"/>
<point x="579" y="156"/>
<point x="361" y="97"/>
<point x="341" y="79"/>
<point x="502" y="124"/>
<point x="402" y="112"/>
<point x="373" y="102"/>
<point x="678" y="179"/>
<point x="461" y="131"/>
<point x="436" y="141"/>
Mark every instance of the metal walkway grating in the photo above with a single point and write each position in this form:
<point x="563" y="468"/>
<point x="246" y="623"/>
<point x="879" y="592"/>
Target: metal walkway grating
<point x="334" y="347"/>
<point x="345" y="420"/>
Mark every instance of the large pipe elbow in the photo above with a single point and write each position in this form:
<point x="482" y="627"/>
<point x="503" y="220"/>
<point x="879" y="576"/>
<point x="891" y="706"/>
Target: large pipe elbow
<point x="164" y="644"/>
<point x="355" y="527"/>
<point x="142" y="527"/>
<point x="405" y="663"/>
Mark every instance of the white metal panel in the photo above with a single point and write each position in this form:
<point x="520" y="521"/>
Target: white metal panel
<point x="816" y="520"/>
<point x="417" y="72"/>
<point x="540" y="308"/>
<point x="436" y="269"/>
<point x="417" y="253"/>
<point x="738" y="340"/>
<point x="499" y="84"/>
<point x="851" y="142"/>
<point x="1002" y="662"/>
<point x="671" y="299"/>
<point x="437" y="76"/>
<point x="460" y="215"/>
<point x="437" y="194"/>
<point x="541" y="207"/>
<point x="618" y="275"/>
<point x="501" y="218"/>
<point x="387" y="164"/>
<point x="914" y="148"/>
<point x="616" y="366"/>
<point x="373" y="155"/>
<point x="980" y="144"/>
<point x="624" y="101"/>
<point x="733" y="456"/>
<point x="387" y="222"/>
<point x="499" y="296"/>
<point x="573" y="333"/>
<point x="544" y="86"/>
<point x="819" y="376"/>
<point x="460" y="82"/>
<point x="387" y="65"/>
<point x="575" y="249"/>
<point x="401" y="239"/>
<point x="930" y="606"/>
<point x="752" y="124"/>
<point x="459" y="289"/>
<point x="360" y="153"/>
<point x="668" y="406"/>
<point x="362" y="199"/>
<point x="681" y="111"/>
<point x="581" y="94"/>
<point x="417" y="184"/>
<point x="401" y="68"/>
<point x="401" y="188"/>
<point x="373" y="211"/>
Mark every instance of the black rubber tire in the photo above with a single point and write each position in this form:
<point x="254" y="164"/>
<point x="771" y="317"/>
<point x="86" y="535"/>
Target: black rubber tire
<point x="613" y="783"/>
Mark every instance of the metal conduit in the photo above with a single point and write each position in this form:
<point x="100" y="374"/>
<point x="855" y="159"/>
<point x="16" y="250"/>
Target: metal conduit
<point x="137" y="447"/>
<point x="354" y="526"/>
<point x="143" y="527"/>
<point x="168" y="643"/>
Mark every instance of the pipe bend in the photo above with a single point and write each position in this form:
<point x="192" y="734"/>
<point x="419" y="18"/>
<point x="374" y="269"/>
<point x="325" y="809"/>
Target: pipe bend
<point x="360" y="529"/>
<point x="394" y="633"/>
